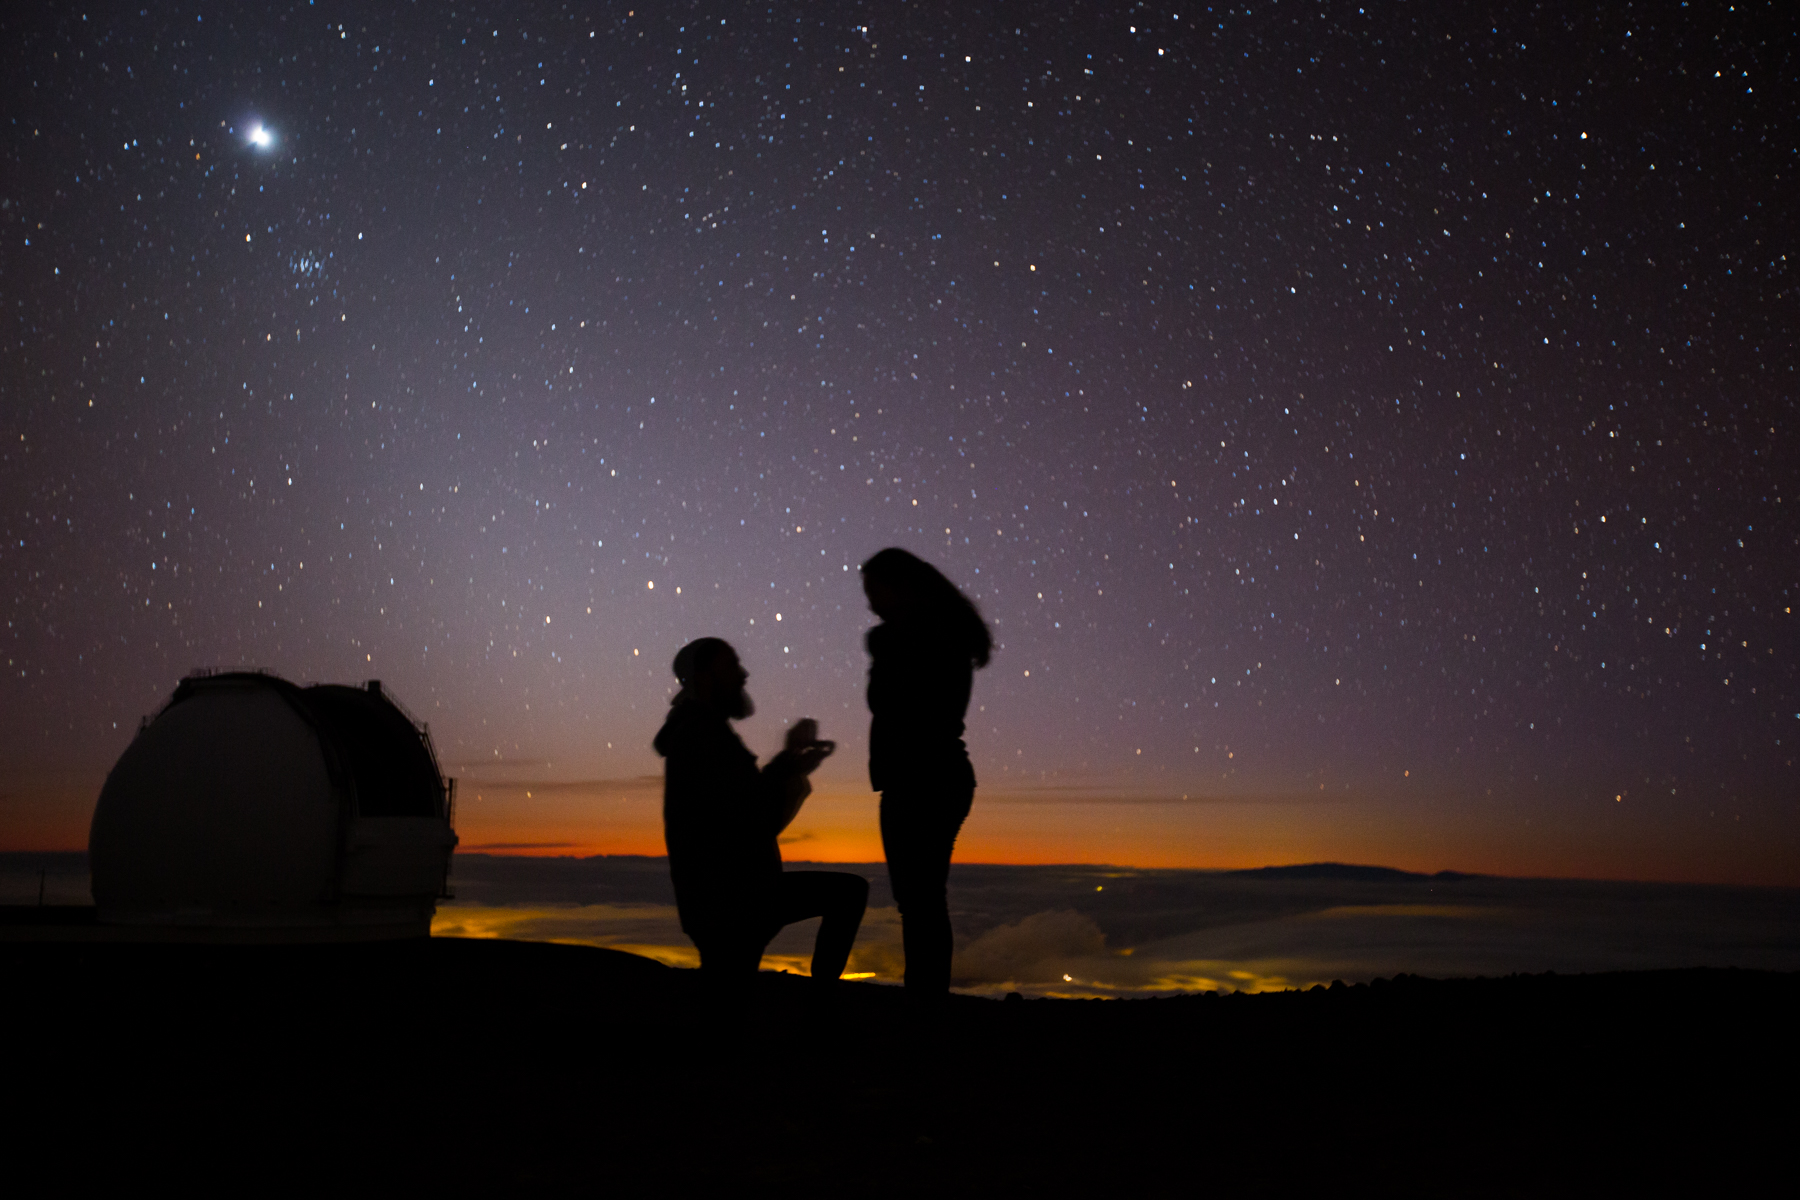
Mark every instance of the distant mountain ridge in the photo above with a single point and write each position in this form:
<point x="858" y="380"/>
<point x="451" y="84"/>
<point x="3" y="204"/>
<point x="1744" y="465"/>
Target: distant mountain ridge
<point x="1345" y="871"/>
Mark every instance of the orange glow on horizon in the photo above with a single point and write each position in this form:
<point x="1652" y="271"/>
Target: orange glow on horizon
<point x="1030" y="829"/>
<point x="1415" y="832"/>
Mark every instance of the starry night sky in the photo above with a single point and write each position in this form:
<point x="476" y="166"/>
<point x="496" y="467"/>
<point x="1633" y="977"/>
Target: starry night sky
<point x="1379" y="415"/>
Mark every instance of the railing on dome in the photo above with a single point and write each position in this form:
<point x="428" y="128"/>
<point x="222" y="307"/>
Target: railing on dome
<point x="424" y="728"/>
<point x="448" y="892"/>
<point x="205" y="673"/>
<point x="209" y="672"/>
<point x="446" y="783"/>
<point x="374" y="685"/>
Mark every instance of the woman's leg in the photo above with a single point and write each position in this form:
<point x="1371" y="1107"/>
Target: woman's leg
<point x="918" y="834"/>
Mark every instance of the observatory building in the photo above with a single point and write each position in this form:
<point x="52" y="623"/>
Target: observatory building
<point x="251" y="809"/>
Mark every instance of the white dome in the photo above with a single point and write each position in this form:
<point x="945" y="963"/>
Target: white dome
<point x="250" y="809"/>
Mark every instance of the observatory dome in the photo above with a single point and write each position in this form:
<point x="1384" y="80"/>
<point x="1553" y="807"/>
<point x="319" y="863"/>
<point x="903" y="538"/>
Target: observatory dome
<point x="252" y="809"/>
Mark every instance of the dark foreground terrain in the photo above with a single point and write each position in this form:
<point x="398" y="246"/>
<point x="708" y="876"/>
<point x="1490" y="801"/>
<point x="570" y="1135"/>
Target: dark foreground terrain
<point x="508" y="1067"/>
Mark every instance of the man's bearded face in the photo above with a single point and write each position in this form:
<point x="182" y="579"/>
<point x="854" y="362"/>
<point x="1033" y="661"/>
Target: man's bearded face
<point x="740" y="706"/>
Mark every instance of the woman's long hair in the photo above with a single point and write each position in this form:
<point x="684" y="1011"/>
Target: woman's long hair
<point x="930" y="598"/>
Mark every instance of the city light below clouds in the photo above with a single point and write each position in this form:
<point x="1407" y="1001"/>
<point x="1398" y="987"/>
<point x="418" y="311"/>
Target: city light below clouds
<point x="1098" y="931"/>
<point x="1119" y="931"/>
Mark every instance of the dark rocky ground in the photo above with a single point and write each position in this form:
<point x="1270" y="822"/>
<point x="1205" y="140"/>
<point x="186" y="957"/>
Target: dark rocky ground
<point x="507" y="1067"/>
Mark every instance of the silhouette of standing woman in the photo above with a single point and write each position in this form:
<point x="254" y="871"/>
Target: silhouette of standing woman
<point x="921" y="668"/>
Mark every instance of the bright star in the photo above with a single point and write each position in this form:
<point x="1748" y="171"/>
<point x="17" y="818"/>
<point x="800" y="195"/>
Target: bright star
<point x="260" y="137"/>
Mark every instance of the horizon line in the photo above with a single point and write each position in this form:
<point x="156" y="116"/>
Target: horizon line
<point x="1447" y="873"/>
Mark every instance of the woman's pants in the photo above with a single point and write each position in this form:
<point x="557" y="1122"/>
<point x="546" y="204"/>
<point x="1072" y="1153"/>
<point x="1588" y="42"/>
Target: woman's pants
<point x="918" y="832"/>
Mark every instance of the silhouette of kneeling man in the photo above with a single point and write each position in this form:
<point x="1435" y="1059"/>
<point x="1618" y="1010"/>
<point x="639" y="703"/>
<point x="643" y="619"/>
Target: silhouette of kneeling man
<point x="721" y="815"/>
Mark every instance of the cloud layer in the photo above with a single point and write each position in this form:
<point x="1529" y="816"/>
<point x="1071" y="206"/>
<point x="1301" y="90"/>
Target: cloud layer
<point x="1102" y="931"/>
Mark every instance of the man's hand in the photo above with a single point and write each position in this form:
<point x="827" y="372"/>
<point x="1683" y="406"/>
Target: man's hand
<point x="804" y="744"/>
